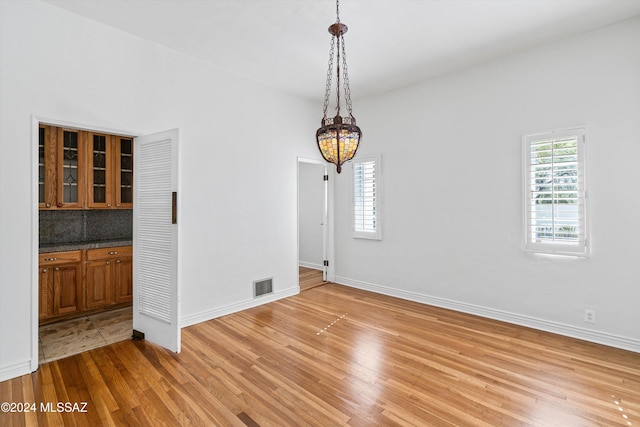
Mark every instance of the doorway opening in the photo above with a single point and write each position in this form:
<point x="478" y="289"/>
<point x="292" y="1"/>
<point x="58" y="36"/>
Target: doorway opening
<point x="124" y="266"/>
<point x="314" y="225"/>
<point x="84" y="236"/>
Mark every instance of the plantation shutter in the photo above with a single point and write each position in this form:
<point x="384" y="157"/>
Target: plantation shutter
<point x="366" y="198"/>
<point x="555" y="205"/>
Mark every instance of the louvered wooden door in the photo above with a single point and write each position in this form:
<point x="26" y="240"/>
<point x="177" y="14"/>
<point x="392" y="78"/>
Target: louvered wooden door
<point x="155" y="237"/>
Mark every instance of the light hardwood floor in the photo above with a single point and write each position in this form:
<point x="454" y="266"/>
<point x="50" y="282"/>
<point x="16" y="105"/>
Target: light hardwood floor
<point x="334" y="356"/>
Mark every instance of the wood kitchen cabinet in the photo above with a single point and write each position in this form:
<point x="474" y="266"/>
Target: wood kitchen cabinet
<point x="123" y="279"/>
<point x="84" y="170"/>
<point x="123" y="172"/>
<point x="109" y="276"/>
<point x="74" y="282"/>
<point x="60" y="284"/>
<point x="47" y="170"/>
<point x="71" y="169"/>
<point x="110" y="171"/>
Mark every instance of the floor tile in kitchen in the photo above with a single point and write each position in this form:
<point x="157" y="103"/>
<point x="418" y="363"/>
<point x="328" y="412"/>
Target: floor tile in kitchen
<point x="69" y="337"/>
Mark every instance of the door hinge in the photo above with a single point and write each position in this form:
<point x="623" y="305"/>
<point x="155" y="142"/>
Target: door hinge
<point x="326" y="263"/>
<point x="326" y="178"/>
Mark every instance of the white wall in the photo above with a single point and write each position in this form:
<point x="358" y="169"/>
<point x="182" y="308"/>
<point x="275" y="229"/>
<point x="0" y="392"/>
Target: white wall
<point x="310" y="214"/>
<point x="452" y="217"/>
<point x="453" y="188"/>
<point x="238" y="163"/>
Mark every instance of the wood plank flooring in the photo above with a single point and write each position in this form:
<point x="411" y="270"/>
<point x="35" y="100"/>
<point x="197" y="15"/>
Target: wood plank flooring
<point x="336" y="356"/>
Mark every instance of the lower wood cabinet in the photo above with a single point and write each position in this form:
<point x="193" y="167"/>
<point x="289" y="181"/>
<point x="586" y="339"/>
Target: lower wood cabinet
<point x="98" y="283"/>
<point x="73" y="282"/>
<point x="123" y="280"/>
<point x="60" y="284"/>
<point x="109" y="276"/>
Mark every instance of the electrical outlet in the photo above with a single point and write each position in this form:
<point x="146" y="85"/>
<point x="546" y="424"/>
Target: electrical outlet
<point x="590" y="316"/>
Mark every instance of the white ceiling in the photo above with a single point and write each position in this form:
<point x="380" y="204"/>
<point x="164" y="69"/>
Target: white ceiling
<point x="390" y="43"/>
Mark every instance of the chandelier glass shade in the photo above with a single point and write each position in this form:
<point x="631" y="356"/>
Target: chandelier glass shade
<point x="338" y="137"/>
<point x="338" y="142"/>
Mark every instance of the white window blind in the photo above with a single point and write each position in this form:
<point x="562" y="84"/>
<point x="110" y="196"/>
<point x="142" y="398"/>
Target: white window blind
<point x="555" y="192"/>
<point x="366" y="198"/>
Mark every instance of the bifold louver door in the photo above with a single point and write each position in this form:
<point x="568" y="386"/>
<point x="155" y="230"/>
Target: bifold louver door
<point x="156" y="300"/>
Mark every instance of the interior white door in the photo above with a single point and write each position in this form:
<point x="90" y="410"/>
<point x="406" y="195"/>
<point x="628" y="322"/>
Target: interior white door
<point x="156" y="299"/>
<point x="325" y="223"/>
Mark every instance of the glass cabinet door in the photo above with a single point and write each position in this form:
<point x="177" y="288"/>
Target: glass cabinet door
<point x="70" y="168"/>
<point x="47" y="136"/>
<point x="99" y="178"/>
<point x="124" y="172"/>
<point x="41" y="165"/>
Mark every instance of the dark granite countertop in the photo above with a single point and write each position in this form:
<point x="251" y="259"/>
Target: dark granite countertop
<point x="58" y="247"/>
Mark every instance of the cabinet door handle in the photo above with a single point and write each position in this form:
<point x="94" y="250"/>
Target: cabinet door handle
<point x="113" y="253"/>
<point x="44" y="270"/>
<point x="117" y="261"/>
<point x="109" y="205"/>
<point x="57" y="269"/>
<point x="108" y="262"/>
<point x="51" y="259"/>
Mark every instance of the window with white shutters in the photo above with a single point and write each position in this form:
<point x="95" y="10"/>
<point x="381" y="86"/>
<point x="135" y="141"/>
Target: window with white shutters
<point x="366" y="198"/>
<point x="555" y="192"/>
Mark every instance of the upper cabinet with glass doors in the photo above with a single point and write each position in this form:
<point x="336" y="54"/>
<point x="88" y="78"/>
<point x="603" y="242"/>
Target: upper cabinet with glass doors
<point x="84" y="170"/>
<point x="123" y="176"/>
<point x="47" y="161"/>
<point x="71" y="168"/>
<point x="100" y="171"/>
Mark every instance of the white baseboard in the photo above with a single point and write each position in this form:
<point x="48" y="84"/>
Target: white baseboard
<point x="310" y="265"/>
<point x="505" y="316"/>
<point x="205" y="315"/>
<point x="15" y="370"/>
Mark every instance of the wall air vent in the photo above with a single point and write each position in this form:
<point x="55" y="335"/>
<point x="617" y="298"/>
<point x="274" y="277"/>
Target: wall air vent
<point x="262" y="287"/>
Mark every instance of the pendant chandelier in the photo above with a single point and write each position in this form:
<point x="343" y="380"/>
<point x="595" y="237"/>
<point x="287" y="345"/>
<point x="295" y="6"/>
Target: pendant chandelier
<point x="338" y="137"/>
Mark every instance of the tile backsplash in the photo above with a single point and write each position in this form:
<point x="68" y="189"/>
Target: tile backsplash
<point x="71" y="226"/>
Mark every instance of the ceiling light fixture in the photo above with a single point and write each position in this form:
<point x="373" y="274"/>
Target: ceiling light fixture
<point x="338" y="137"/>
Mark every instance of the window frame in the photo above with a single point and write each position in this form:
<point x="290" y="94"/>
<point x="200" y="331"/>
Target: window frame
<point x="546" y="246"/>
<point x="377" y="233"/>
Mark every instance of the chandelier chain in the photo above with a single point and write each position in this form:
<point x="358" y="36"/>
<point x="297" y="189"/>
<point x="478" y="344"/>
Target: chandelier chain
<point x="347" y="90"/>
<point x="338" y="79"/>
<point x="337" y="10"/>
<point x="327" y="90"/>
